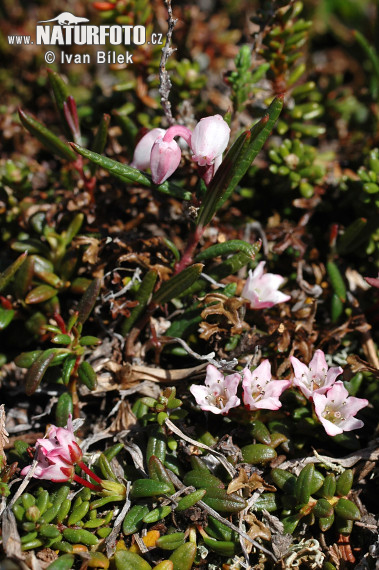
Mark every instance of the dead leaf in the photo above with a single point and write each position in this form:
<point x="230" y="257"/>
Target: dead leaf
<point x="257" y="530"/>
<point x="358" y="365"/>
<point x="251" y="483"/>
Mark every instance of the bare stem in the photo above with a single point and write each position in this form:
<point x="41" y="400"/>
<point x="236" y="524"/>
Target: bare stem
<point x="187" y="256"/>
<point x="164" y="79"/>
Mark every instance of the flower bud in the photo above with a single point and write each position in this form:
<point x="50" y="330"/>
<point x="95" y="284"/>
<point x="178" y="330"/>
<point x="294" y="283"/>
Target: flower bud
<point x="164" y="159"/>
<point x="141" y="157"/>
<point x="209" y="140"/>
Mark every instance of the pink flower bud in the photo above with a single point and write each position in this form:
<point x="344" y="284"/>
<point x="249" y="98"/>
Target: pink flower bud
<point x="164" y="159"/>
<point x="141" y="157"/>
<point x="209" y="140"/>
<point x="56" y="454"/>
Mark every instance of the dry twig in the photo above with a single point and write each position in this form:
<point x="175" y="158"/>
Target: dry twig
<point x="164" y="79"/>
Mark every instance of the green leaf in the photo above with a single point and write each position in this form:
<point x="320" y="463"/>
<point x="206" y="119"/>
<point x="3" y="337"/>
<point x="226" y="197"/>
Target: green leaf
<point x="73" y="228"/>
<point x="256" y="453"/>
<point x="347" y="510"/>
<point x="353" y="237"/>
<point x="227" y="248"/>
<point x="88" y="300"/>
<point x="143" y="297"/>
<point x="129" y="175"/>
<point x="221" y="181"/>
<point x="237" y="161"/>
<point x="37" y="371"/>
<point x="7" y="275"/>
<point x="60" y="92"/>
<point x="100" y="138"/>
<point x="87" y="375"/>
<point x="184" y="556"/>
<point x="6" y="317"/>
<point x="64" y="408"/>
<point x="304" y="483"/>
<point x="126" y="560"/>
<point x="344" y="483"/>
<point x="46" y="137"/>
<point x="148" y="488"/>
<point x="177" y="284"/>
<point x="40" y="294"/>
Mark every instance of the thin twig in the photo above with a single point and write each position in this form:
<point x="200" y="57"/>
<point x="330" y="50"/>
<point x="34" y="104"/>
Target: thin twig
<point x="228" y="466"/>
<point x="110" y="541"/>
<point x="164" y="78"/>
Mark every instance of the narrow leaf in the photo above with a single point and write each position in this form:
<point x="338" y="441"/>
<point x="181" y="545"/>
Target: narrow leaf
<point x="6" y="317"/>
<point x="46" y="137"/>
<point x="88" y="300"/>
<point x="177" y="284"/>
<point x="40" y="294"/>
<point x="37" y="371"/>
<point x="60" y="92"/>
<point x="129" y="175"/>
<point x="227" y="248"/>
<point x="73" y="228"/>
<point x="143" y="297"/>
<point x="237" y="161"/>
<point x="100" y="139"/>
<point x="7" y="275"/>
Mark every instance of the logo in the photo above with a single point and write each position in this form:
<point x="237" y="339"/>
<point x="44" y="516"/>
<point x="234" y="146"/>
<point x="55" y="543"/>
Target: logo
<point x="69" y="30"/>
<point x="65" y="19"/>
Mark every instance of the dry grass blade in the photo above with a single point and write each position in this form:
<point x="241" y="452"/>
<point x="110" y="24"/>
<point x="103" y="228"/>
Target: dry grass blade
<point x="3" y="433"/>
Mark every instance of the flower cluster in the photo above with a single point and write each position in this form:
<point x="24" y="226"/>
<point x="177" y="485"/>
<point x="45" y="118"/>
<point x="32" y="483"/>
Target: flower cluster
<point x="159" y="151"/>
<point x="333" y="406"/>
<point x="260" y="390"/>
<point x="57" y="454"/>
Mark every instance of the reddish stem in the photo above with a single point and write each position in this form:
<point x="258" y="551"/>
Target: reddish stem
<point x="60" y="322"/>
<point x="82" y="481"/>
<point x="187" y="256"/>
<point x="87" y="470"/>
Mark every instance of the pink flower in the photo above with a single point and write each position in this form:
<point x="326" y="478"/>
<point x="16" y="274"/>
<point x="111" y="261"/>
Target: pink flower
<point x="166" y="154"/>
<point x="316" y="379"/>
<point x="141" y="157"/>
<point x="219" y="393"/>
<point x="56" y="455"/>
<point x="260" y="390"/>
<point x="261" y="289"/>
<point x="336" y="409"/>
<point x="373" y="281"/>
<point x="209" y="140"/>
<point x="164" y="159"/>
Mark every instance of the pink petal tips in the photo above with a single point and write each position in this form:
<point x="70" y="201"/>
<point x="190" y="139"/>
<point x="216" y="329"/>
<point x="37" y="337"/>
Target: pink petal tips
<point x="56" y="455"/>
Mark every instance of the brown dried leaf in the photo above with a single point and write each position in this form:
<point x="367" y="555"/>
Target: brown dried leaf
<point x="91" y="254"/>
<point x="124" y="419"/>
<point x="251" y="483"/>
<point x="358" y="365"/>
<point x="257" y="530"/>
